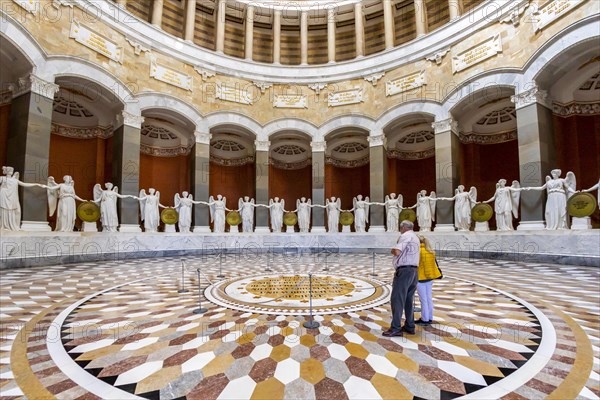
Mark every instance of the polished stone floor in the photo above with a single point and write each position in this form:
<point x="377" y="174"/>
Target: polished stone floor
<point x="121" y="329"/>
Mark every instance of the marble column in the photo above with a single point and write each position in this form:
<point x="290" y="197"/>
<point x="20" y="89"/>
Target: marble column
<point x="199" y="180"/>
<point x="388" y="21"/>
<point x="276" y="36"/>
<point x="126" y="168"/>
<point x="455" y="8"/>
<point x="359" y="29"/>
<point x="190" y="20"/>
<point x="261" y="164"/>
<point x="331" y="35"/>
<point x="537" y="154"/>
<point x="378" y="180"/>
<point x="318" y="186"/>
<point x="220" y="45"/>
<point x="28" y="146"/>
<point x="157" y="12"/>
<point x="447" y="152"/>
<point x="421" y="17"/>
<point x="304" y="37"/>
<point x="249" y="32"/>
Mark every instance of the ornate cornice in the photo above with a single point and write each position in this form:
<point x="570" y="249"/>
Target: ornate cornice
<point x="488" y="139"/>
<point x="574" y="108"/>
<point x="411" y="155"/>
<point x="379" y="140"/>
<point x="204" y="72"/>
<point x="202" y="138"/>
<point x="231" y="162"/>
<point x="317" y="87"/>
<point x="138" y="47"/>
<point x="336" y="162"/>
<point x="318" y="146"/>
<point x="81" y="133"/>
<point x="164" y="152"/>
<point x="263" y="86"/>
<point x="36" y="85"/>
<point x="126" y="118"/>
<point x="531" y="96"/>
<point x="262" y="145"/>
<point x="445" y="125"/>
<point x="374" y="78"/>
<point x="438" y="56"/>
<point x="284" y="165"/>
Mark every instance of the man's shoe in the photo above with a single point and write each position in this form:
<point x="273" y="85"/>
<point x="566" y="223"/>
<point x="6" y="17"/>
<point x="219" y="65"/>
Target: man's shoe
<point x="392" y="333"/>
<point x="422" y="323"/>
<point x="410" y="332"/>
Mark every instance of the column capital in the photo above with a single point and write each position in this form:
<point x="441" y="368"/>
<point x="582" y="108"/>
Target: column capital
<point x="262" y="145"/>
<point x="531" y="96"/>
<point x="129" y="119"/>
<point x="445" y="125"/>
<point x="35" y="84"/>
<point x="378" y="140"/>
<point x="318" y="146"/>
<point x="202" y="138"/>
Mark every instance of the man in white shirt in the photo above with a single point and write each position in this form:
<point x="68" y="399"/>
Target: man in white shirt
<point x="406" y="261"/>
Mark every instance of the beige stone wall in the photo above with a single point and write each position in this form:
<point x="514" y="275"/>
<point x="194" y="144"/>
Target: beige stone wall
<point x="519" y="44"/>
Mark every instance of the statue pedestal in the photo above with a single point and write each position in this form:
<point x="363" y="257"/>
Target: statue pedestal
<point x="376" y="228"/>
<point x="89" y="227"/>
<point x="531" y="225"/>
<point x="318" y="229"/>
<point x="262" y="229"/>
<point x="444" y="228"/>
<point x="482" y="226"/>
<point x="129" y="228"/>
<point x="170" y="228"/>
<point x="581" y="223"/>
<point x="201" y="229"/>
<point x="346" y="229"/>
<point x="289" y="229"/>
<point x="35" y="226"/>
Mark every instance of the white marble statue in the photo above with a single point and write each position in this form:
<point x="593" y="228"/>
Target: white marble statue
<point x="217" y="212"/>
<point x="425" y="210"/>
<point x="303" y="208"/>
<point x="107" y="201"/>
<point x="506" y="204"/>
<point x="246" y="209"/>
<point x="392" y="205"/>
<point x="595" y="187"/>
<point x="361" y="213"/>
<point x="183" y="205"/>
<point x="463" y="203"/>
<point x="149" y="206"/>
<point x="10" y="209"/>
<point x="559" y="190"/>
<point x="333" y="207"/>
<point x="61" y="198"/>
<point x="276" y="209"/>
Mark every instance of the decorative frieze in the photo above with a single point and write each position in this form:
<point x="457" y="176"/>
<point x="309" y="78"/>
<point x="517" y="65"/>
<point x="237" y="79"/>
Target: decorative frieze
<point x="374" y="78"/>
<point x="233" y="93"/>
<point x="132" y="120"/>
<point x="317" y="87"/>
<point x="551" y="11"/>
<point x="336" y="162"/>
<point x="138" y="47"/>
<point x="318" y="146"/>
<point x="290" y="166"/>
<point x="500" y="137"/>
<point x="378" y="140"/>
<point x="203" y="138"/>
<point x="204" y="72"/>
<point x="100" y="44"/>
<point x="262" y="145"/>
<point x="290" y="101"/>
<point x="170" y="76"/>
<point x="75" y="132"/>
<point x="477" y="54"/>
<point x="531" y="96"/>
<point x="263" y="86"/>
<point x="231" y="162"/>
<point x="31" y="6"/>
<point x="445" y="125"/>
<point x="36" y="85"/>
<point x="514" y="15"/>
<point x="164" y="151"/>
<point x="345" y="97"/>
<point x="567" y="110"/>
<point x="438" y="56"/>
<point x="411" y="155"/>
<point x="405" y="83"/>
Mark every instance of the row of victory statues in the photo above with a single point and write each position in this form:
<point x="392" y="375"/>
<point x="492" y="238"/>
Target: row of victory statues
<point x="62" y="200"/>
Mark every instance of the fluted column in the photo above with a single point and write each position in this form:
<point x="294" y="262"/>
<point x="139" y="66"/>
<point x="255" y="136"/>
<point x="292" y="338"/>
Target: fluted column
<point x="28" y="145"/>
<point x="388" y="21"/>
<point x="157" y="12"/>
<point x="331" y="35"/>
<point x="304" y="37"/>
<point x="190" y="19"/>
<point x="318" y="186"/>
<point x="447" y="150"/>
<point x="455" y="8"/>
<point x="537" y="155"/>
<point x="378" y="179"/>
<point x="276" y="36"/>
<point x="220" y="45"/>
<point x="249" y="31"/>
<point x="359" y="29"/>
<point x="261" y="165"/>
<point x="199" y="180"/>
<point x="420" y="17"/>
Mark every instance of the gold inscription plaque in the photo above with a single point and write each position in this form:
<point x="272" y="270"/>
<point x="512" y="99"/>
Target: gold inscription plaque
<point x="297" y="287"/>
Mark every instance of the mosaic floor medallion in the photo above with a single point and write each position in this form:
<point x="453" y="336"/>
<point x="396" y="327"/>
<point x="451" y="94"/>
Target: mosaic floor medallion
<point x="289" y="294"/>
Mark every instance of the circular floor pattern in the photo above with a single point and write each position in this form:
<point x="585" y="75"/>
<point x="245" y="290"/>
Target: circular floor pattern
<point x="290" y="294"/>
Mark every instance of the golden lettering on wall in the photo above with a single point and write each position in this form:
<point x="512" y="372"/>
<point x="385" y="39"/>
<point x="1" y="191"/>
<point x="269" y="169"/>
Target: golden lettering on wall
<point x="87" y="37"/>
<point x="553" y="10"/>
<point x="290" y="101"/>
<point x="232" y="93"/>
<point x="345" y="97"/>
<point x="170" y="76"/>
<point x="477" y="54"/>
<point x="405" y="83"/>
<point x="29" y="5"/>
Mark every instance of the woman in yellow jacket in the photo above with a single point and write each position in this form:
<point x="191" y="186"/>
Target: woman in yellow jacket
<point x="428" y="271"/>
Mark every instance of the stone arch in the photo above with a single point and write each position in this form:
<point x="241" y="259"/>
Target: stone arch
<point x="149" y="100"/>
<point x="233" y="118"/>
<point x="290" y="124"/>
<point x="419" y="107"/>
<point x="345" y="121"/>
